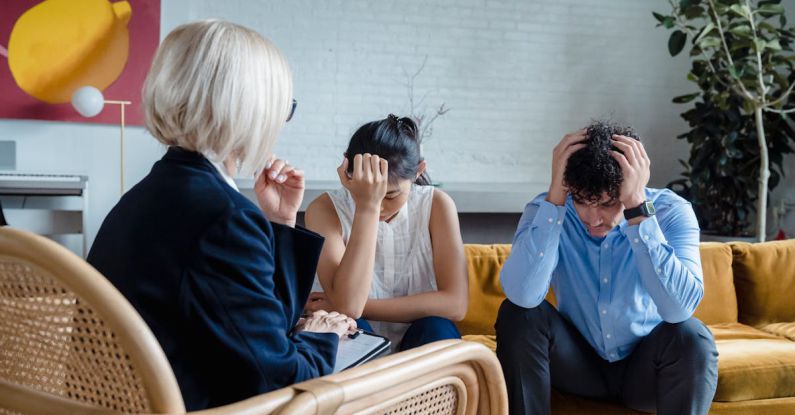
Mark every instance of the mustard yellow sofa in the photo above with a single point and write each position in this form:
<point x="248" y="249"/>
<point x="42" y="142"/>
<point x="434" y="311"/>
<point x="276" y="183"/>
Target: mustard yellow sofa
<point x="749" y="304"/>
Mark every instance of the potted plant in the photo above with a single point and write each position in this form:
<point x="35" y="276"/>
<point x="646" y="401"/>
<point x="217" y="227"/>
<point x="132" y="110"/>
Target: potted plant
<point x="740" y="130"/>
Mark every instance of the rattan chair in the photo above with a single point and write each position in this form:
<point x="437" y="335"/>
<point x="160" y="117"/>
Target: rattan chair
<point x="65" y="330"/>
<point x="71" y="343"/>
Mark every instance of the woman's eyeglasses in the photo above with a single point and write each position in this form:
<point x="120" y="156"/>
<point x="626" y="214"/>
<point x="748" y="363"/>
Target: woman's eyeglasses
<point x="292" y="110"/>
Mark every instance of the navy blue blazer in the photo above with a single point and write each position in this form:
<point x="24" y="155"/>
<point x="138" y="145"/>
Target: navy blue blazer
<point x="219" y="285"/>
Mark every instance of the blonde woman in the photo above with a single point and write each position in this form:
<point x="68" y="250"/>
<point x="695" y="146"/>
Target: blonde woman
<point x="220" y="281"/>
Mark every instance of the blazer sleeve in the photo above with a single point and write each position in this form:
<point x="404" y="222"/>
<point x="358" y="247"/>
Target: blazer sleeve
<point x="229" y="292"/>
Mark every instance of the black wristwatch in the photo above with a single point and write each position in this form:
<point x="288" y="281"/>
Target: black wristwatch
<point x="645" y="209"/>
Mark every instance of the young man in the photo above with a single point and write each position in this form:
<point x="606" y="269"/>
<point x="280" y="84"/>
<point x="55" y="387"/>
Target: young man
<point x="624" y="263"/>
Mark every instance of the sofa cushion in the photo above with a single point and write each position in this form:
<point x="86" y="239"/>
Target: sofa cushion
<point x="764" y="275"/>
<point x="780" y="329"/>
<point x="752" y="364"/>
<point x="485" y="293"/>
<point x="719" y="304"/>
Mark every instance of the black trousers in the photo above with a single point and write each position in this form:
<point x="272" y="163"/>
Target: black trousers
<point x="673" y="370"/>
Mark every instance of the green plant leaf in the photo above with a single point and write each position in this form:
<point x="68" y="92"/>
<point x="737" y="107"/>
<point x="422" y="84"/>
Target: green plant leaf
<point x="669" y="22"/>
<point x="759" y="44"/>
<point x="740" y="10"/>
<point x="705" y="31"/>
<point x="694" y="12"/>
<point x="742" y="31"/>
<point x="709" y="42"/>
<point x="695" y="51"/>
<point x="773" y="44"/>
<point x="676" y="42"/>
<point x="660" y="18"/>
<point x="685" y="98"/>
<point x="742" y="44"/>
<point x="767" y="26"/>
<point x="770" y="9"/>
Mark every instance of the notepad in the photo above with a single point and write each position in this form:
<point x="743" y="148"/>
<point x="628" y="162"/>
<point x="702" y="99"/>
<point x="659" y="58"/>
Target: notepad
<point x="353" y="352"/>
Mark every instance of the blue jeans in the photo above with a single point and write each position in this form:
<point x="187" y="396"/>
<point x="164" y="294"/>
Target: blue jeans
<point x="423" y="331"/>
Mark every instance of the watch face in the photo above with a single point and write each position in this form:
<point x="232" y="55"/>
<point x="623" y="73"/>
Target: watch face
<point x="648" y="208"/>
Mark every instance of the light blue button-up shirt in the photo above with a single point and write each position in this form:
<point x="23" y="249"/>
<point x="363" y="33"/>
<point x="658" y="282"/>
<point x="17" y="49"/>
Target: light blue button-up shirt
<point x="615" y="289"/>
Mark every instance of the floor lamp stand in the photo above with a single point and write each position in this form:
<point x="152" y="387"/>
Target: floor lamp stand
<point x="122" y="108"/>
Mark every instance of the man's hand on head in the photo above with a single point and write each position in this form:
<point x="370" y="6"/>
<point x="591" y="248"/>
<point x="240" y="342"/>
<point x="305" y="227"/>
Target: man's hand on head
<point x="560" y="157"/>
<point x="635" y="166"/>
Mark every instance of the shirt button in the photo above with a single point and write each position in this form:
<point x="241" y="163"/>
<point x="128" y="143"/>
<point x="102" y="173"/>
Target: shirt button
<point x="549" y="220"/>
<point x="606" y="246"/>
<point x="604" y="312"/>
<point x="659" y="270"/>
<point x="613" y="355"/>
<point x="540" y="254"/>
<point x="604" y="280"/>
<point x="635" y="240"/>
<point x="608" y="335"/>
<point x="560" y="222"/>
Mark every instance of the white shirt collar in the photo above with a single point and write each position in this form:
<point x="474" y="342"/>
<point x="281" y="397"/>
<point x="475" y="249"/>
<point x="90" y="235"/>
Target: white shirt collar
<point x="222" y="171"/>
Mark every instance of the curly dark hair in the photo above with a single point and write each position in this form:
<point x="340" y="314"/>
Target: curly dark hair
<point x="592" y="171"/>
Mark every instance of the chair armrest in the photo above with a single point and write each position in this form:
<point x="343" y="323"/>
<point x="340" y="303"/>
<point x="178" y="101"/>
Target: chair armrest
<point x="265" y="404"/>
<point x="465" y="377"/>
<point x="456" y="373"/>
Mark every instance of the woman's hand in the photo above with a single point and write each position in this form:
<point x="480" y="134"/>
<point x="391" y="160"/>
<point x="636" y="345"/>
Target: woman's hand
<point x="367" y="182"/>
<point x="280" y="191"/>
<point x="317" y="301"/>
<point x="323" y="322"/>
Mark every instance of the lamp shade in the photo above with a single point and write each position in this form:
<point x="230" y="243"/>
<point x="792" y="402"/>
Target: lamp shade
<point x="88" y="101"/>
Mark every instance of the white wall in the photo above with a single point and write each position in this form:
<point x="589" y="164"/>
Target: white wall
<point x="517" y="74"/>
<point x="786" y="190"/>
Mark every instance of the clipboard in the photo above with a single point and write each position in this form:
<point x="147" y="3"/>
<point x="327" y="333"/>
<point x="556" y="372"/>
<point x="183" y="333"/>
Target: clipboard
<point x="358" y="348"/>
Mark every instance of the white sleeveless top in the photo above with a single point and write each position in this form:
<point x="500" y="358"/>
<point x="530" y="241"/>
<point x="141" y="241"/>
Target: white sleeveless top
<point x="403" y="253"/>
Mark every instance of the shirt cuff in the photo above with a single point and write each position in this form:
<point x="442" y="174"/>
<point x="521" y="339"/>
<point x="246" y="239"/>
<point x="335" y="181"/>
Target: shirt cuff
<point x="647" y="233"/>
<point x="548" y="216"/>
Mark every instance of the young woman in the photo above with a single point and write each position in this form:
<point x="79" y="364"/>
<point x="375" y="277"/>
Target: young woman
<point x="393" y="253"/>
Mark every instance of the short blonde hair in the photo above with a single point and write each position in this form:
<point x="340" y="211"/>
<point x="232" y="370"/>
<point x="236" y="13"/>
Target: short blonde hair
<point x="220" y="89"/>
